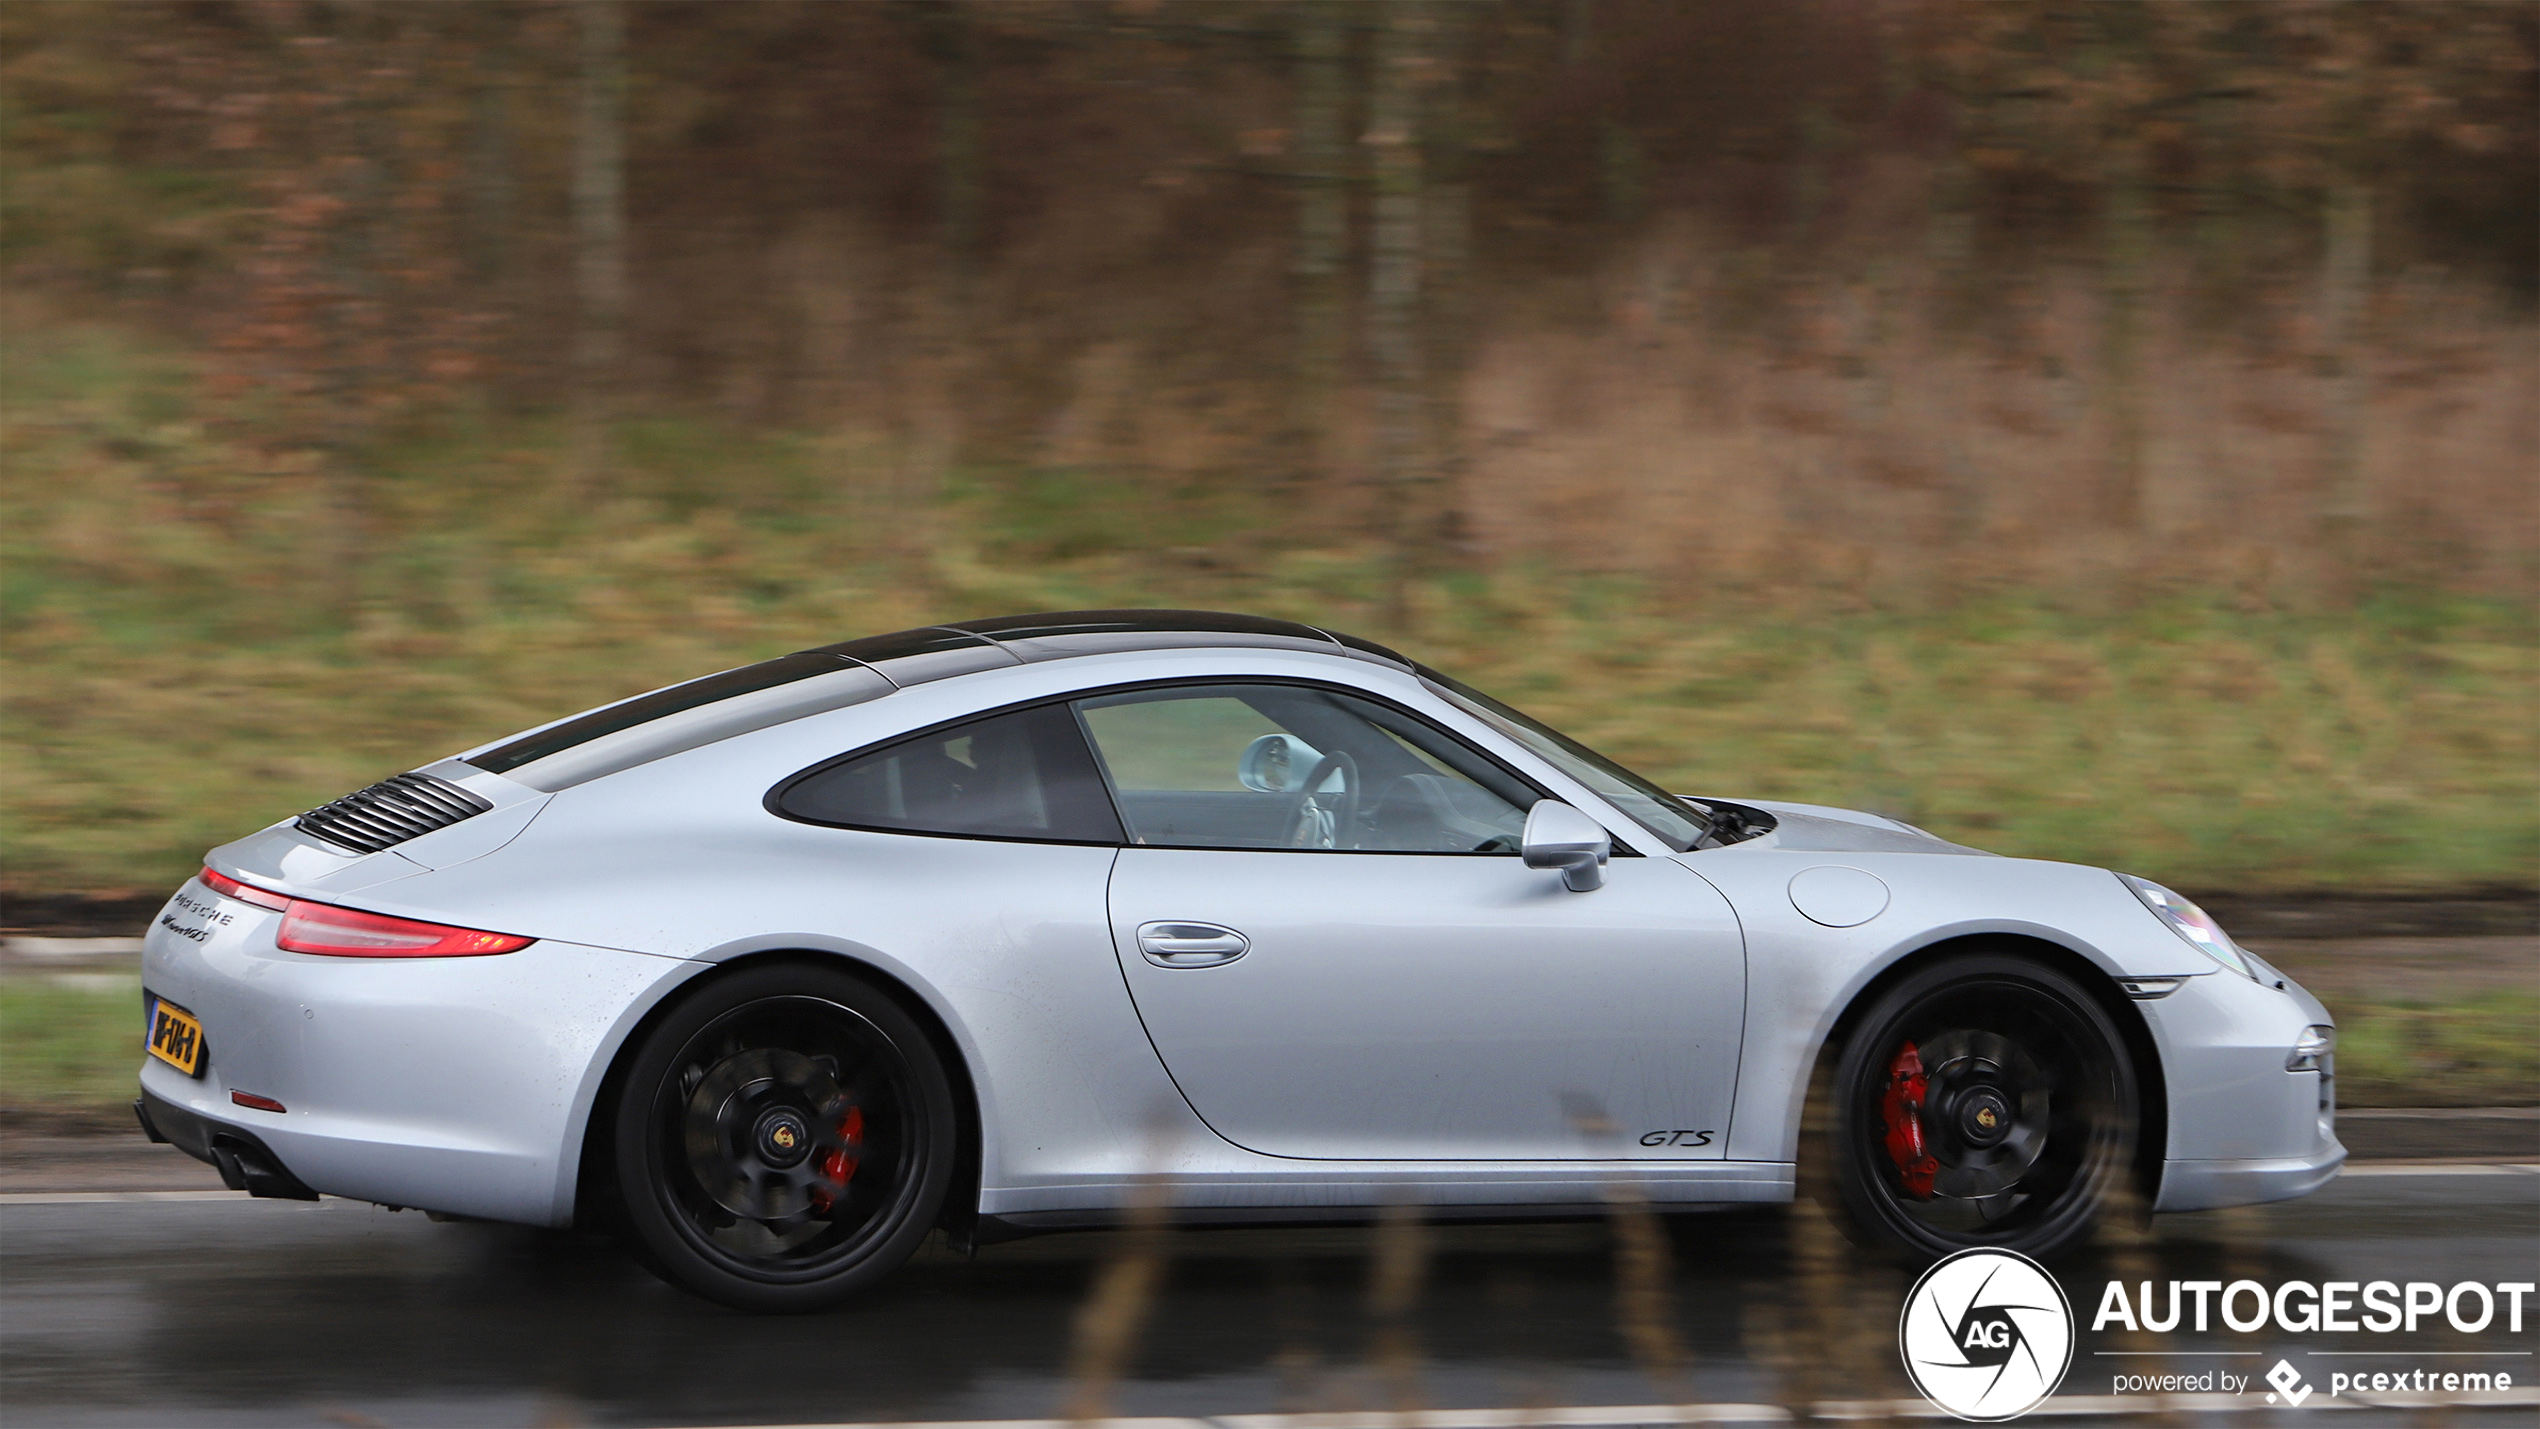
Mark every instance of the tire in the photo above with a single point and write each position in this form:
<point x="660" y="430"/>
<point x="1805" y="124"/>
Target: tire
<point x="784" y="1138"/>
<point x="2026" y="1115"/>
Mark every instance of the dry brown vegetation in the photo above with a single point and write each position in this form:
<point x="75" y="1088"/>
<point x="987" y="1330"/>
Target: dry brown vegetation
<point x="1627" y="284"/>
<point x="2096" y="431"/>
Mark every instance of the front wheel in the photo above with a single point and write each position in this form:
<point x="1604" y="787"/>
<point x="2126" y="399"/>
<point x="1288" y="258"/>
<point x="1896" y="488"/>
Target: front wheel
<point x="1985" y="1100"/>
<point x="784" y="1139"/>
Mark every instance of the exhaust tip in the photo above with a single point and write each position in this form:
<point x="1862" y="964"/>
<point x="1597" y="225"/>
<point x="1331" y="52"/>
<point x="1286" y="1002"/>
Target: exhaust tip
<point x="253" y="1170"/>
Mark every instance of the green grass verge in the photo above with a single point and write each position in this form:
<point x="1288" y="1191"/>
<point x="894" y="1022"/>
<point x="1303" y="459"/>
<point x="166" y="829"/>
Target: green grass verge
<point x="79" y="1048"/>
<point x="76" y="1046"/>
<point x="206" y="634"/>
<point x="2479" y="1051"/>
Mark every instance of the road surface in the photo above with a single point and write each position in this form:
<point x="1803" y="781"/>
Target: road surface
<point x="204" y="1308"/>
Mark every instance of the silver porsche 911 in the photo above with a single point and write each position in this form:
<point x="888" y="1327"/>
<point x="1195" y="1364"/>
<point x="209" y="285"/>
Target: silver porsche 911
<point x="984" y="927"/>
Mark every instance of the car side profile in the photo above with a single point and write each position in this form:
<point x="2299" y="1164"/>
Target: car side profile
<point x="984" y="927"/>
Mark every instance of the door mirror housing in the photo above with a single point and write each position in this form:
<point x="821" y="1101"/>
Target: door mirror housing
<point x="1559" y="836"/>
<point x="1276" y="764"/>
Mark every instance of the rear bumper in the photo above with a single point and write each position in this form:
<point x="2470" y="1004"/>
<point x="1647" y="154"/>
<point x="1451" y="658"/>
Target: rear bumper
<point x="2206" y="1185"/>
<point x="244" y="1161"/>
<point x="460" y="1085"/>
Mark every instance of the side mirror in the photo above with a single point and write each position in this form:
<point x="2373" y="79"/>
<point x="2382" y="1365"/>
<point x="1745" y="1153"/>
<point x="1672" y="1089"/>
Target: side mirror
<point x="1558" y="836"/>
<point x="1275" y="763"/>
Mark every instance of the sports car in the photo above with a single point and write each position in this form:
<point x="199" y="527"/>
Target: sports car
<point x="998" y="926"/>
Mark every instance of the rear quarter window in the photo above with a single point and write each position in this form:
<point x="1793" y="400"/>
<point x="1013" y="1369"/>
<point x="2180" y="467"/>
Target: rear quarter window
<point x="1024" y="774"/>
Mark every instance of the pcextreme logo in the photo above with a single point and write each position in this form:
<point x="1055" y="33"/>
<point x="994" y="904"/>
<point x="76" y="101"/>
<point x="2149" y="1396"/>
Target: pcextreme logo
<point x="1986" y="1334"/>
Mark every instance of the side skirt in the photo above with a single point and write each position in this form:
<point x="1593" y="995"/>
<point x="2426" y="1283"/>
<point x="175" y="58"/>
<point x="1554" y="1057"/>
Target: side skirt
<point x="1326" y="1191"/>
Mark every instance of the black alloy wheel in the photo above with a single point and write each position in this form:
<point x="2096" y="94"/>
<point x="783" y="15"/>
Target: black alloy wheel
<point x="785" y="1138"/>
<point x="1986" y="1100"/>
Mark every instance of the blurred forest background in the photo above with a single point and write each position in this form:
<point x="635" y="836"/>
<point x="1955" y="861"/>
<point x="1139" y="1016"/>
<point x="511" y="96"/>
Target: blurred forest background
<point x="2102" y="431"/>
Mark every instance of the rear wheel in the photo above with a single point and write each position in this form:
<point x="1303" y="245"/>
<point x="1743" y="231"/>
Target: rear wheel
<point x="1986" y="1100"/>
<point x="784" y="1139"/>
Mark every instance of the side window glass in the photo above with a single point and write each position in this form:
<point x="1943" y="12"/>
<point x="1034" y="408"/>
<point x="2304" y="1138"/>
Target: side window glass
<point x="1292" y="767"/>
<point x="1023" y="775"/>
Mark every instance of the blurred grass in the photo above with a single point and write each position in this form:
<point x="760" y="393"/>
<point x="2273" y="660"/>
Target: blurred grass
<point x="206" y="634"/>
<point x="74" y="1045"/>
<point x="77" y="1046"/>
<point x="2477" y="1051"/>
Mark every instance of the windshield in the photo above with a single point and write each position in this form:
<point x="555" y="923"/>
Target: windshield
<point x="1666" y="817"/>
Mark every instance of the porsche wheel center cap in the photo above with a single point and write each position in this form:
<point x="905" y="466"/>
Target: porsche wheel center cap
<point x="1984" y="1118"/>
<point x="783" y="1138"/>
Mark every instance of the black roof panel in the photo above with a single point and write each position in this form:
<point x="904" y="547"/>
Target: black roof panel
<point x="1057" y="634"/>
<point x="937" y="651"/>
<point x="1133" y="622"/>
<point x="933" y="652"/>
<point x="1370" y="651"/>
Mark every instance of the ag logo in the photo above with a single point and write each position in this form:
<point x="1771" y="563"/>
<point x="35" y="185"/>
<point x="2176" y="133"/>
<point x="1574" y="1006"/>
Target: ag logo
<point x="1986" y="1334"/>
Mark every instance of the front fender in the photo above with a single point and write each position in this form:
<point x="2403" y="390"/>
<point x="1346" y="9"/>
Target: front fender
<point x="1802" y="977"/>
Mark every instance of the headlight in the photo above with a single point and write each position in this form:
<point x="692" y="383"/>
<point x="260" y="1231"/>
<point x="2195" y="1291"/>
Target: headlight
<point x="2192" y="923"/>
<point x="2311" y="1049"/>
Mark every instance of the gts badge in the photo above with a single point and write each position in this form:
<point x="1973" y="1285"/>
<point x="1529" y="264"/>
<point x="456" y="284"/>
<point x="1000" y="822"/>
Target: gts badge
<point x="1675" y="1138"/>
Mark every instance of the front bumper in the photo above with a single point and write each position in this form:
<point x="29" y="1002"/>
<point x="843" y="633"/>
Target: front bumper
<point x="2206" y="1185"/>
<point x="2243" y="1127"/>
<point x="450" y="1084"/>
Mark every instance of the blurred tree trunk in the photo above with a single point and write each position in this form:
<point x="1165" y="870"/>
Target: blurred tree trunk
<point x="1394" y="338"/>
<point x="1955" y="188"/>
<point x="2358" y="113"/>
<point x="1446" y="236"/>
<point x="2221" y="242"/>
<point x="599" y="236"/>
<point x="493" y="184"/>
<point x="353" y="61"/>
<point x="2345" y="282"/>
<point x="1322" y="239"/>
<point x="2128" y="243"/>
<point x="957" y="151"/>
<point x="948" y="34"/>
<point x="2114" y="65"/>
<point x="1622" y="177"/>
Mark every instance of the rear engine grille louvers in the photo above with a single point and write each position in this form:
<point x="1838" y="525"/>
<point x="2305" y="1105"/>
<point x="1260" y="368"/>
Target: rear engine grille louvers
<point x="392" y="811"/>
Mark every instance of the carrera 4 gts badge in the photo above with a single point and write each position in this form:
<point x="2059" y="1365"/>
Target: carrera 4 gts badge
<point x="1675" y="1138"/>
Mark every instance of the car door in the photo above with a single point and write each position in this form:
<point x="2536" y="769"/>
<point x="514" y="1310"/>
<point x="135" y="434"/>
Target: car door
<point x="1323" y="919"/>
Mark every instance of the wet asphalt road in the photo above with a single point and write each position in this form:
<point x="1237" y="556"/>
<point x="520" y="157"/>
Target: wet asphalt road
<point x="231" y="1312"/>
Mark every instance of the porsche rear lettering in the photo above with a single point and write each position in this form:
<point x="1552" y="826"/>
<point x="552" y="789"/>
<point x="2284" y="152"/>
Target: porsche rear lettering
<point x="209" y="912"/>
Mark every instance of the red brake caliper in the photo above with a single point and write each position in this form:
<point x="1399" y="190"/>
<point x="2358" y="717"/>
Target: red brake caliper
<point x="1903" y="1109"/>
<point x="838" y="1167"/>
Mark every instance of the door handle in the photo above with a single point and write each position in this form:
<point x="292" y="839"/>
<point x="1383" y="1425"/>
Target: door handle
<point x="1190" y="945"/>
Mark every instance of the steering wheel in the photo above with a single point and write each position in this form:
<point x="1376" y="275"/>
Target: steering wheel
<point x="1310" y="825"/>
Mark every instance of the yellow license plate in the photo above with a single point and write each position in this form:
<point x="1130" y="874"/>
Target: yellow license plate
<point x="176" y="1038"/>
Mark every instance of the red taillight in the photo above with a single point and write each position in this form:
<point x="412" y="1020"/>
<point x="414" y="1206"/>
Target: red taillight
<point x="228" y="887"/>
<point x="348" y="933"/>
